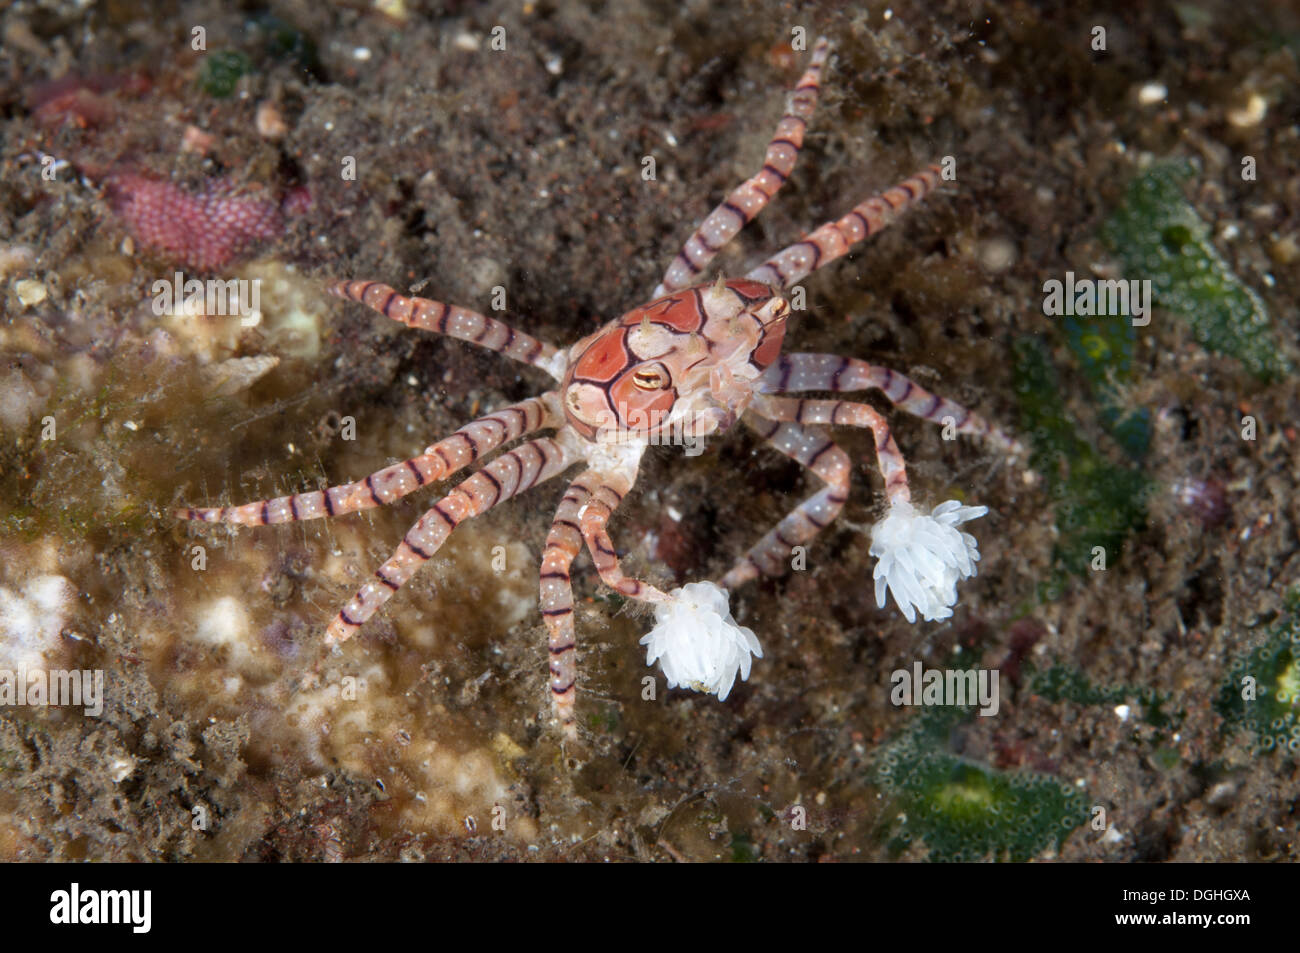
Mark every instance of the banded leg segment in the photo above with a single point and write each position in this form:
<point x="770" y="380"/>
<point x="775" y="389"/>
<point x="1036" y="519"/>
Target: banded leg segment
<point x="451" y="320"/>
<point x="563" y="544"/>
<point x="834" y="239"/>
<point x="800" y="372"/>
<point x="749" y="198"/>
<point x="845" y="413"/>
<point x="607" y="491"/>
<point x="382" y="487"/>
<point x="509" y="474"/>
<point x="814" y="450"/>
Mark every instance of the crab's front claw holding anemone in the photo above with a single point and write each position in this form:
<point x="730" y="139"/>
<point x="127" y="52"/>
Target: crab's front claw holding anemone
<point x="727" y="399"/>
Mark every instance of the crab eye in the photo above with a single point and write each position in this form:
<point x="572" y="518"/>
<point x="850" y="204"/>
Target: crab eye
<point x="651" y="377"/>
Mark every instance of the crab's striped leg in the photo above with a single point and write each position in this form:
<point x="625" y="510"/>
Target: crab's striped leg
<point x="833" y="239"/>
<point x="748" y="199"/>
<point x="437" y="462"/>
<point x="800" y="372"/>
<point x="843" y="413"/>
<point x="563" y="544"/>
<point x="607" y="490"/>
<point x="512" y="472"/>
<point x="453" y="321"/>
<point x="770" y="555"/>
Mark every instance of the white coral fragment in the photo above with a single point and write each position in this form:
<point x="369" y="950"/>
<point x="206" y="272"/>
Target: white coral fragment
<point x="923" y="556"/>
<point x="32" y="621"/>
<point x="697" y="642"/>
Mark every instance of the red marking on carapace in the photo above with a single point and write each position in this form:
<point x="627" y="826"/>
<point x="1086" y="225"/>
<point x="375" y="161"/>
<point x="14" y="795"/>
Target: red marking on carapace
<point x="770" y="348"/>
<point x="605" y="358"/>
<point x="679" y="311"/>
<point x="750" y="289"/>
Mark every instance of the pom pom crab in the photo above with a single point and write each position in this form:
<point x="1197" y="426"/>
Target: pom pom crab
<point x="695" y="360"/>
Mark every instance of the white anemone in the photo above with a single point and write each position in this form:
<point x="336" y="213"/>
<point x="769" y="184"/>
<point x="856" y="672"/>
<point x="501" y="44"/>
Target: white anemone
<point x="922" y="557"/>
<point x="697" y="643"/>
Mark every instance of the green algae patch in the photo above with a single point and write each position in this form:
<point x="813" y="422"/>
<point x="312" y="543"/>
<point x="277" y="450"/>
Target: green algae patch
<point x="962" y="810"/>
<point x="1157" y="235"/>
<point x="281" y="40"/>
<point x="270" y="40"/>
<point x="605" y="721"/>
<point x="743" y="849"/>
<point x="1261" y="692"/>
<point x="1063" y="683"/>
<point x="1103" y="348"/>
<point x="221" y="72"/>
<point x="1097" y="503"/>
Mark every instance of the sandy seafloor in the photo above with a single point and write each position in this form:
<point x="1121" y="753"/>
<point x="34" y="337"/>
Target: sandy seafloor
<point x="522" y="168"/>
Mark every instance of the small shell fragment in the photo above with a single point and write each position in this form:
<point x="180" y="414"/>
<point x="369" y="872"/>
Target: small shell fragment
<point x="30" y="292"/>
